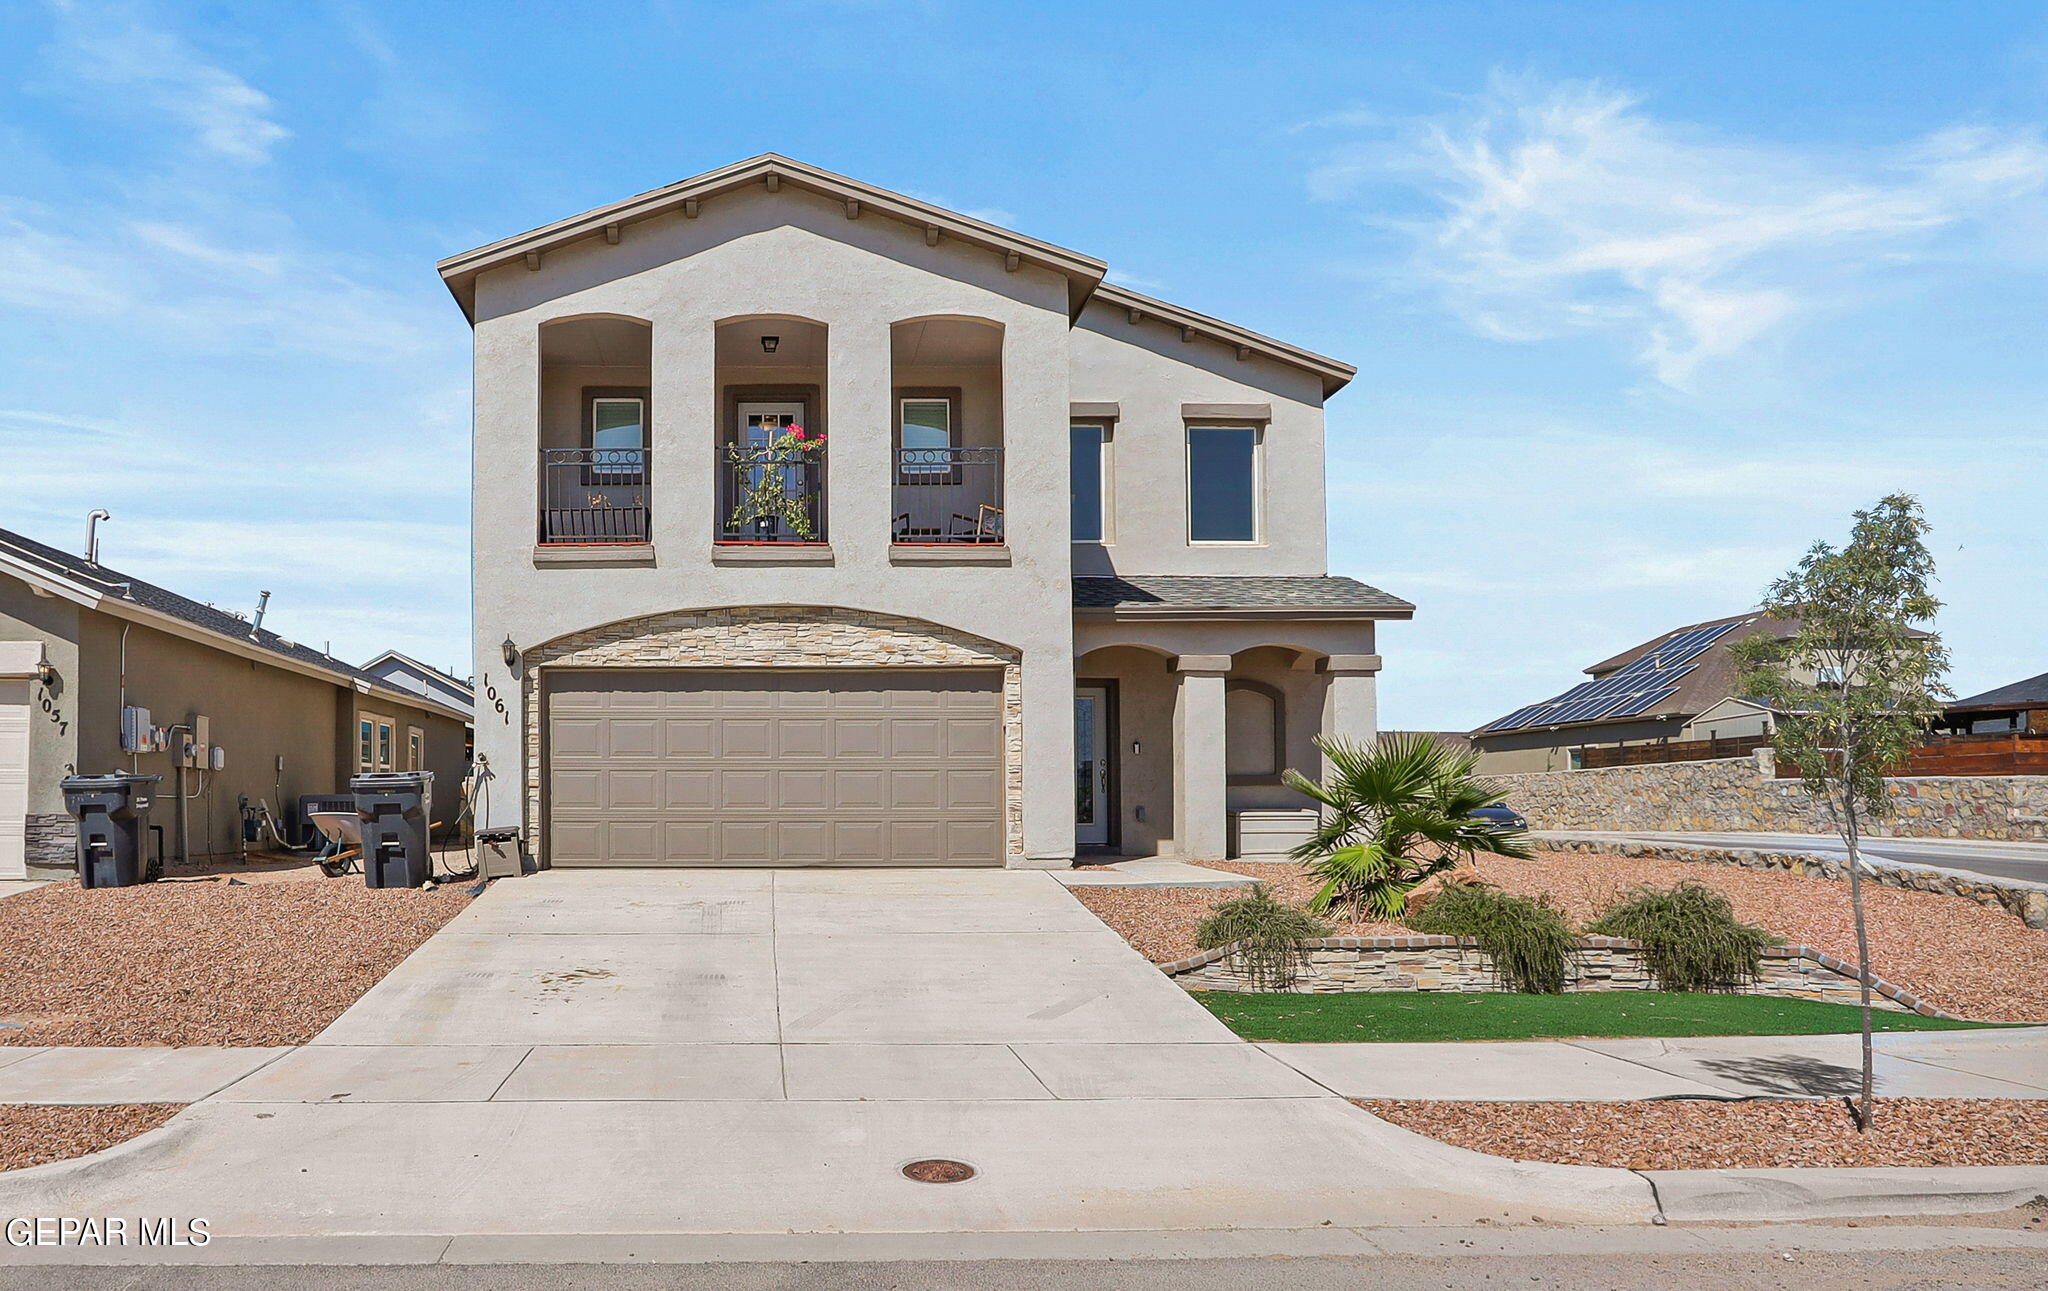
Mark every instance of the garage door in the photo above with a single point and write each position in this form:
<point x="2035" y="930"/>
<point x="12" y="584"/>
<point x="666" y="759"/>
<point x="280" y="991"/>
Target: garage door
<point x="775" y="767"/>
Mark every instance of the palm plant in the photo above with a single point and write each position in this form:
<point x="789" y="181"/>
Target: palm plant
<point x="1395" y="813"/>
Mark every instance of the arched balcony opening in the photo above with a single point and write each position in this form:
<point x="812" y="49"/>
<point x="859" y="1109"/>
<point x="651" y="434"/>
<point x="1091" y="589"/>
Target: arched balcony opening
<point x="947" y="390"/>
<point x="596" y="420"/>
<point x="771" y="441"/>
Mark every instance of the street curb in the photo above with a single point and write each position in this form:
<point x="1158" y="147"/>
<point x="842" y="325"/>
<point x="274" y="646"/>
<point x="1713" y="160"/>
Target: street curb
<point x="1834" y="1193"/>
<point x="1425" y="1241"/>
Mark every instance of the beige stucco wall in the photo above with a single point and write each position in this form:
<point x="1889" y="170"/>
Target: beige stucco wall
<point x="794" y="255"/>
<point x="1149" y="371"/>
<point x="52" y="730"/>
<point x="256" y="713"/>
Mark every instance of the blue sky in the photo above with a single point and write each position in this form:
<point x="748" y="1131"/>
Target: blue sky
<point x="1644" y="298"/>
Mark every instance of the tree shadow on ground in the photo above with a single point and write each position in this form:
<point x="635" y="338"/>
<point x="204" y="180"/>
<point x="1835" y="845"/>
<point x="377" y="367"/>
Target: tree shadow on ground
<point x="1787" y="1074"/>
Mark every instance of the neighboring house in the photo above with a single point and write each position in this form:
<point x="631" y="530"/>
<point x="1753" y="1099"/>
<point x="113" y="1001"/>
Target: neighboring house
<point x="2021" y="707"/>
<point x="403" y="672"/>
<point x="1676" y="687"/>
<point x="1054" y="580"/>
<point x="81" y="643"/>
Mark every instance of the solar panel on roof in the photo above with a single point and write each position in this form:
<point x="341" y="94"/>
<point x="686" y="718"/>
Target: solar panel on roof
<point x="1628" y="691"/>
<point x="1641" y="704"/>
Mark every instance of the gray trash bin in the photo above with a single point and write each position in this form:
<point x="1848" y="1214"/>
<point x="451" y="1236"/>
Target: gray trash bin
<point x="397" y="810"/>
<point x="113" y="817"/>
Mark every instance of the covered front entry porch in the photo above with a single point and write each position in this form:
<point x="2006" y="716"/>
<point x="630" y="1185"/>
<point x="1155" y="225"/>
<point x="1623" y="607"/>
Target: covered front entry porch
<point x="1182" y="730"/>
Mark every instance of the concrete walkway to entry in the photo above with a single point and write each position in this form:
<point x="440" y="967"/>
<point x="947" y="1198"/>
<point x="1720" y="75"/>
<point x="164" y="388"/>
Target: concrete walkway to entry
<point x="1992" y="1063"/>
<point x="755" y="1052"/>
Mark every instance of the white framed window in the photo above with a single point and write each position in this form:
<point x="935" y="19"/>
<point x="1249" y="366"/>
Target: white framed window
<point x="1225" y="484"/>
<point x="1090" y="481"/>
<point x="375" y="743"/>
<point x="618" y="422"/>
<point x="925" y="423"/>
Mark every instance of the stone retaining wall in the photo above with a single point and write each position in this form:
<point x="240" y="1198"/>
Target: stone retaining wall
<point x="2027" y="902"/>
<point x="1337" y="965"/>
<point x="1743" y="794"/>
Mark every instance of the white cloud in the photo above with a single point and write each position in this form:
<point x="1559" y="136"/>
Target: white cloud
<point x="101" y="48"/>
<point x="1562" y="208"/>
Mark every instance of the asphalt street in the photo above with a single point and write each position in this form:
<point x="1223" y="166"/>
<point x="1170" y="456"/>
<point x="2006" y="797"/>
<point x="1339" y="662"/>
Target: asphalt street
<point x="1806" y="1270"/>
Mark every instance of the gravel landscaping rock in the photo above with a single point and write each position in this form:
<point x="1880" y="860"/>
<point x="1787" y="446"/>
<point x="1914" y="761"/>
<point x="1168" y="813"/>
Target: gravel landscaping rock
<point x="32" y="1135"/>
<point x="1697" y="1135"/>
<point x="202" y="963"/>
<point x="1958" y="956"/>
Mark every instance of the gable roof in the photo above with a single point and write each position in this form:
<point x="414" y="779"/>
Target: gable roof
<point x="460" y="271"/>
<point x="1709" y="678"/>
<point x="1084" y="273"/>
<point x="429" y="676"/>
<point x="2031" y="693"/>
<point x="107" y="589"/>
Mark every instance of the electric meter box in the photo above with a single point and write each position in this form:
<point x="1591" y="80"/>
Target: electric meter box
<point x="137" y="735"/>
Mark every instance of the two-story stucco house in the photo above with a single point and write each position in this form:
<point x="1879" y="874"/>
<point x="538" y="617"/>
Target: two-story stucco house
<point x="815" y="524"/>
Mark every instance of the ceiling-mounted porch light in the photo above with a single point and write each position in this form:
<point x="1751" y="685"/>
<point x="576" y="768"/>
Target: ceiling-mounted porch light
<point x="768" y="344"/>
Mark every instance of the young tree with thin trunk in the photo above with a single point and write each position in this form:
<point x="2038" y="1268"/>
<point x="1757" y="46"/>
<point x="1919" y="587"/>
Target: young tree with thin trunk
<point x="1855" y="684"/>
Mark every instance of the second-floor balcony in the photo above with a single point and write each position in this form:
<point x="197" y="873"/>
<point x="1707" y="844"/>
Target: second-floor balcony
<point x="593" y="496"/>
<point x="771" y="494"/>
<point x="948" y="495"/>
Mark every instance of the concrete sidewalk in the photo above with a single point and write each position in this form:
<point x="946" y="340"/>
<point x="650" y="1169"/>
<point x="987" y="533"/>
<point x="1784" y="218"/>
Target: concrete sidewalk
<point x="2000" y="1063"/>
<point x="734" y="1052"/>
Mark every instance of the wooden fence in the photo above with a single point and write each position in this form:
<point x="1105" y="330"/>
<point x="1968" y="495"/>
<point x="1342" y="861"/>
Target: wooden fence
<point x="1637" y="755"/>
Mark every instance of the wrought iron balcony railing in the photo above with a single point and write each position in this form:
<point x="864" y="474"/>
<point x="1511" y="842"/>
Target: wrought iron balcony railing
<point x="771" y="495"/>
<point x="594" y="495"/>
<point x="948" y="495"/>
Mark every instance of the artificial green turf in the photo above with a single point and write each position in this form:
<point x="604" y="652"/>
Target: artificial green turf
<point x="1390" y="1016"/>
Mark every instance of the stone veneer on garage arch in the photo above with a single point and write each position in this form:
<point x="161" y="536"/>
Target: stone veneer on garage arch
<point x="784" y="636"/>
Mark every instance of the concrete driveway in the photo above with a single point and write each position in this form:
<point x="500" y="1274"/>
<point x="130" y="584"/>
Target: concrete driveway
<point x="755" y="1052"/>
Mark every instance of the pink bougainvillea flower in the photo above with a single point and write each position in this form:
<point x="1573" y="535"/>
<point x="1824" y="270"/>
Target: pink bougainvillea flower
<point x="795" y="431"/>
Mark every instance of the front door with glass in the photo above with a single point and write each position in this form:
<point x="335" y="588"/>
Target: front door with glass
<point x="1091" y="766"/>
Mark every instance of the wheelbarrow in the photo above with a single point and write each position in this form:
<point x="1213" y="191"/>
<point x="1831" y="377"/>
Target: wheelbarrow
<point x="341" y="842"/>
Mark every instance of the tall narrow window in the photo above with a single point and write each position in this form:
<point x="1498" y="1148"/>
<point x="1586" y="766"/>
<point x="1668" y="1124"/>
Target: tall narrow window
<point x="1223" y="484"/>
<point x="1085" y="473"/>
<point x="927" y="431"/>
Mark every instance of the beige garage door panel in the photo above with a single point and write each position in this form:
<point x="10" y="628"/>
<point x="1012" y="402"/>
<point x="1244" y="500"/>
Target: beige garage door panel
<point x="775" y="767"/>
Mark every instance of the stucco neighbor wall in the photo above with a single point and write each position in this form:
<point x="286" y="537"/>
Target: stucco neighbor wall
<point x="777" y="637"/>
<point x="1742" y="794"/>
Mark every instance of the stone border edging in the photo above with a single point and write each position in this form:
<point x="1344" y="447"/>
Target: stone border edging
<point x="1878" y="985"/>
<point x="2023" y="900"/>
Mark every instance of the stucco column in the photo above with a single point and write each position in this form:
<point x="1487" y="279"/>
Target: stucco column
<point x="684" y="435"/>
<point x="859" y="424"/>
<point x="1351" y="708"/>
<point x="1201" y="815"/>
<point x="506" y="495"/>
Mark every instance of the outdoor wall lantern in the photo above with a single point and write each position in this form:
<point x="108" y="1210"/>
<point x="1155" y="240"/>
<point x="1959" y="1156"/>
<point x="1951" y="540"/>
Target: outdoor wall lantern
<point x="511" y="654"/>
<point x="768" y="344"/>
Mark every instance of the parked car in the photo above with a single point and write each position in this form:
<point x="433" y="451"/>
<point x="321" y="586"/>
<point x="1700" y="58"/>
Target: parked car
<point x="1501" y="814"/>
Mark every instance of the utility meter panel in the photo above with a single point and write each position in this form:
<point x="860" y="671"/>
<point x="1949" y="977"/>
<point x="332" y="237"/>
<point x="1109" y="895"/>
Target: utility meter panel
<point x="137" y="735"/>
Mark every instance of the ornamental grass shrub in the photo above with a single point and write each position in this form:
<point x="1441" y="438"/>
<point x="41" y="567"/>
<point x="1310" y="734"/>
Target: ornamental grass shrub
<point x="1268" y="934"/>
<point x="1532" y="947"/>
<point x="1690" y="936"/>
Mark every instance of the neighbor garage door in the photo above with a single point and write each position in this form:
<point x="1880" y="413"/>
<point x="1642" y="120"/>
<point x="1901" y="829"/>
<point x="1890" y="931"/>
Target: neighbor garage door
<point x="775" y="767"/>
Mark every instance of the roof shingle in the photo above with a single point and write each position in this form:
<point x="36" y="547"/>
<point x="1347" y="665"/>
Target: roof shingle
<point x="1233" y="592"/>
